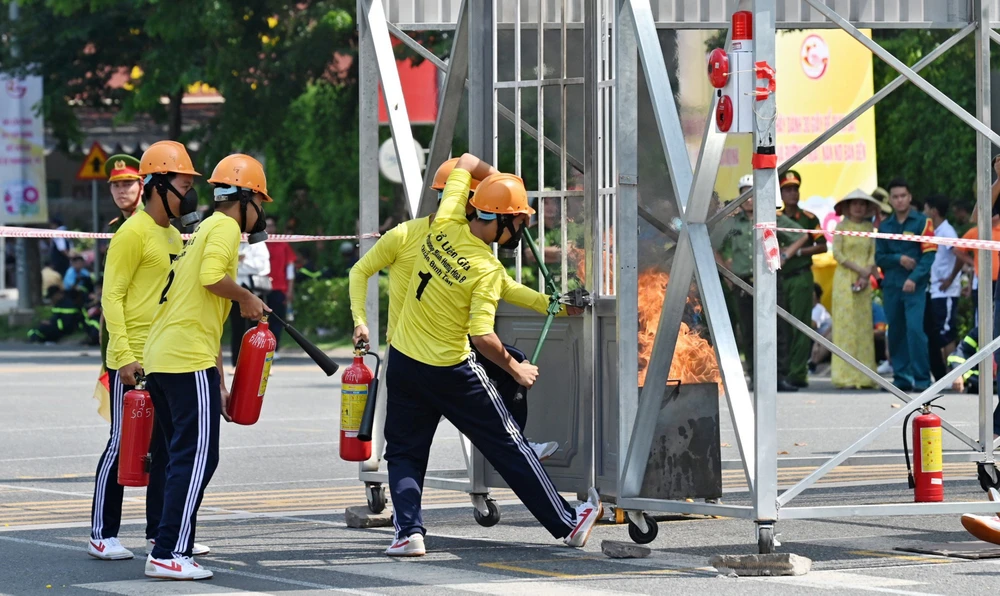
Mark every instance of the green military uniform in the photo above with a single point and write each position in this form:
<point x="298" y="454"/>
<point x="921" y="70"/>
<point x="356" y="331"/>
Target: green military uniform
<point x="795" y="290"/>
<point x="738" y="248"/>
<point x="118" y="167"/>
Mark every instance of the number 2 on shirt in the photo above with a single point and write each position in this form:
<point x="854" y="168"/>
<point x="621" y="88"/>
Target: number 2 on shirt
<point x="424" y="279"/>
<point x="166" y="288"/>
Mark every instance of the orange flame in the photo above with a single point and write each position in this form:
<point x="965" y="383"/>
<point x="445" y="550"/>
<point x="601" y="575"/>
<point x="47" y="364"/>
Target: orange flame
<point x="694" y="358"/>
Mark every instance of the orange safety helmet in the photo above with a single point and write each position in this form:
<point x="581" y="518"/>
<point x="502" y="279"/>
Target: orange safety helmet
<point x="241" y="171"/>
<point x="503" y="194"/>
<point x="166" y="157"/>
<point x="441" y="176"/>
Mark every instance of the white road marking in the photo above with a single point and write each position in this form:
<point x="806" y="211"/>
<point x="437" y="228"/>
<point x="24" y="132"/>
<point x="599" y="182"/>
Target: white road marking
<point x="149" y="587"/>
<point x="842" y="580"/>
<point x="450" y="578"/>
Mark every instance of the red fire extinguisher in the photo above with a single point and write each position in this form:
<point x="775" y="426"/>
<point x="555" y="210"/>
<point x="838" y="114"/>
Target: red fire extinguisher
<point x="927" y="475"/>
<point x="358" y="385"/>
<point x="137" y="430"/>
<point x="253" y="366"/>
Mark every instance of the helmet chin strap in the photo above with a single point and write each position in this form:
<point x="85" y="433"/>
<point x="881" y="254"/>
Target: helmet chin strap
<point x="163" y="186"/>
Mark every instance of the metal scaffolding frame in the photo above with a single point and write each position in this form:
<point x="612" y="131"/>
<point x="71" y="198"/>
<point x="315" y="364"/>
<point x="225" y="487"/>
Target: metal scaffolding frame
<point x="755" y="421"/>
<point x="620" y="36"/>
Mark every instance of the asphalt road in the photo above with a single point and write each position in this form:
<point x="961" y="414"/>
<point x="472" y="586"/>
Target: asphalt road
<point x="274" y="511"/>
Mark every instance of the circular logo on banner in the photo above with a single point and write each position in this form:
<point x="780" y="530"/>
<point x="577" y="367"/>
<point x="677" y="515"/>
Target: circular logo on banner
<point x="814" y="56"/>
<point x="20" y="198"/>
<point x="15" y="89"/>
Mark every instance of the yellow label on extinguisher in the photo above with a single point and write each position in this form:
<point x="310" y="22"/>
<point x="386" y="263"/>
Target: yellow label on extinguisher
<point x="352" y="407"/>
<point x="930" y="449"/>
<point x="266" y="373"/>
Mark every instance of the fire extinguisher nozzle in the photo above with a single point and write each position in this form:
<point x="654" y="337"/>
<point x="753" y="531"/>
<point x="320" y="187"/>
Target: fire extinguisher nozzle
<point x="910" y="482"/>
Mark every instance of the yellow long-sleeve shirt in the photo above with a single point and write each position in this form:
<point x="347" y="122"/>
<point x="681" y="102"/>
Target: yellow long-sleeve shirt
<point x="185" y="333"/>
<point x="137" y="264"/>
<point x="398" y="250"/>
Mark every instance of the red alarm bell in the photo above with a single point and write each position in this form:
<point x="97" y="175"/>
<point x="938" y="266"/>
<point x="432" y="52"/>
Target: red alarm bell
<point x="718" y="68"/>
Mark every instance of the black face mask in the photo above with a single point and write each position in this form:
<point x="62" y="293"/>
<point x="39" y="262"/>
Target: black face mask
<point x="506" y="222"/>
<point x="257" y="233"/>
<point x="189" y="208"/>
<point x="189" y="201"/>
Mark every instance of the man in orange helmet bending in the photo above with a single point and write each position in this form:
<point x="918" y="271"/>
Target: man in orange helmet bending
<point x="432" y="372"/>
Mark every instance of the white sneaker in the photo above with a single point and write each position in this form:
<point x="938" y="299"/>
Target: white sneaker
<point x="108" y="549"/>
<point x="197" y="550"/>
<point x="544" y="450"/>
<point x="885" y="368"/>
<point x="175" y="568"/>
<point x="587" y="514"/>
<point x="408" y="547"/>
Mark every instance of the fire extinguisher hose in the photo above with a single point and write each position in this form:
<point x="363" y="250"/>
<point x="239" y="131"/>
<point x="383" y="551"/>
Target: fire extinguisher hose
<point x="368" y="416"/>
<point x="906" y="451"/>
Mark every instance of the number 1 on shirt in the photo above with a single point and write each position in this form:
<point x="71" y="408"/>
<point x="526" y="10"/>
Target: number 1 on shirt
<point x="424" y="279"/>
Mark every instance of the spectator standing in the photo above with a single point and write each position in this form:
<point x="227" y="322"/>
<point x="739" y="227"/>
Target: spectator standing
<point x="279" y="299"/>
<point x="961" y="217"/>
<point x="941" y="314"/>
<point x="253" y="273"/>
<point x="852" y="292"/>
<point x="736" y="253"/>
<point x="795" y="281"/>
<point x="906" y="266"/>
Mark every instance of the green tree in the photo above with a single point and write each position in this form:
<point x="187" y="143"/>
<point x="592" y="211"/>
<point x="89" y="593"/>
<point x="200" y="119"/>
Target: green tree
<point x="259" y="54"/>
<point x="918" y="139"/>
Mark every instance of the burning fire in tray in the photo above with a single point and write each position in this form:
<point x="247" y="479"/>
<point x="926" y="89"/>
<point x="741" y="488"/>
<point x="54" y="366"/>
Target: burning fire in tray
<point x="694" y="358"/>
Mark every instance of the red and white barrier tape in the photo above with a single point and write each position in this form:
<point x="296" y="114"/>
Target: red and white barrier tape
<point x="15" y="232"/>
<point x="955" y="242"/>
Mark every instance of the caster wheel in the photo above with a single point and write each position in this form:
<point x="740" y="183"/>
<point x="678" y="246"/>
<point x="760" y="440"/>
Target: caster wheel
<point x="640" y="537"/>
<point x="376" y="497"/>
<point x="492" y="518"/>
<point x="765" y="540"/>
<point x="989" y="477"/>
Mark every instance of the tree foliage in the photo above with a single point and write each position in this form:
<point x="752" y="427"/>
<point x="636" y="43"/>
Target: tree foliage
<point x="259" y="54"/>
<point x="918" y="139"/>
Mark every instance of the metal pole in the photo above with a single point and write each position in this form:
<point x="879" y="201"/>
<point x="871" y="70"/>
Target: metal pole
<point x="592" y="36"/>
<point x="452" y="93"/>
<point x="395" y="103"/>
<point x="626" y="237"/>
<point x="481" y="73"/>
<point x="765" y="186"/>
<point x="96" y="216"/>
<point x="368" y="194"/>
<point x="981" y="10"/>
<point x="24" y="301"/>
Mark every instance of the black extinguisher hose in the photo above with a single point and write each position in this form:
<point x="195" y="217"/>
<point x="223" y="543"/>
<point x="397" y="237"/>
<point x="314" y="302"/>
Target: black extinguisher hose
<point x="368" y="416"/>
<point x="906" y="451"/>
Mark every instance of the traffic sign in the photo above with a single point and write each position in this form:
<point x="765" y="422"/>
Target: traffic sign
<point x="92" y="167"/>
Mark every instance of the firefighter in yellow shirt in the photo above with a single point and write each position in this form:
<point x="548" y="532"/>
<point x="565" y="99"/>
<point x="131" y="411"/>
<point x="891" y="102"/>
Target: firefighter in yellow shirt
<point x="138" y="261"/>
<point x="398" y="249"/>
<point x="183" y="360"/>
<point x="432" y="371"/>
